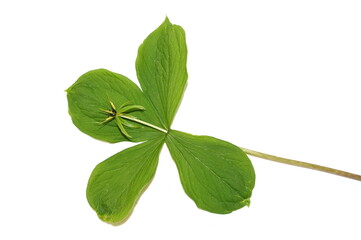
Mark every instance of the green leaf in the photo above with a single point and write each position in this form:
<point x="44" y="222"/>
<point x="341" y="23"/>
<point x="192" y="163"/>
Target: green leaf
<point x="131" y="108"/>
<point x="116" y="184"/>
<point x="216" y="175"/>
<point x="161" y="69"/>
<point x="99" y="90"/>
<point x="119" y="123"/>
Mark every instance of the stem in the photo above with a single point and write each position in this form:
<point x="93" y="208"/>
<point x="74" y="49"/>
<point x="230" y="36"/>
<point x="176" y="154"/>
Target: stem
<point x="143" y="123"/>
<point x="302" y="164"/>
<point x="267" y="156"/>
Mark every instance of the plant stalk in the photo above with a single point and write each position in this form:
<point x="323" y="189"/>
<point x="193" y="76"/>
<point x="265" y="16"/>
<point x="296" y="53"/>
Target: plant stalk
<point x="302" y="164"/>
<point x="268" y="156"/>
<point x="143" y="123"/>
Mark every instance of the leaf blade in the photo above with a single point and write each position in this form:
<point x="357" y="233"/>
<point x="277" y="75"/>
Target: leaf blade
<point x="117" y="183"/>
<point x="161" y="69"/>
<point x="215" y="174"/>
<point x="103" y="89"/>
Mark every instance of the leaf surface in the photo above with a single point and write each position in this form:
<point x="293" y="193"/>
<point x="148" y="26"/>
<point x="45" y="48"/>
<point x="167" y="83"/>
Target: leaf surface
<point x="216" y="175"/>
<point x="161" y="69"/>
<point x="116" y="184"/>
<point x="96" y="90"/>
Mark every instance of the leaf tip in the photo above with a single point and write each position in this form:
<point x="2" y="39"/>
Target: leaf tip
<point x="166" y="21"/>
<point x="113" y="219"/>
<point x="246" y="202"/>
<point x="67" y="90"/>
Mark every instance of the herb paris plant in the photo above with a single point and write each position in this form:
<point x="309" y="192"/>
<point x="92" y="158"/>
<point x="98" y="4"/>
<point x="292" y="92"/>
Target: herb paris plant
<point x="217" y="175"/>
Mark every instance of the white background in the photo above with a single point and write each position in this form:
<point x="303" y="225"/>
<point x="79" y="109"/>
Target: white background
<point x="282" y="77"/>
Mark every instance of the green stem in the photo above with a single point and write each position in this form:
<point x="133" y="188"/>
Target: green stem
<point x="266" y="156"/>
<point x="143" y="123"/>
<point x="302" y="164"/>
